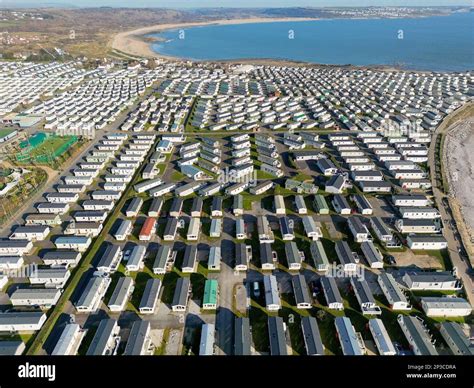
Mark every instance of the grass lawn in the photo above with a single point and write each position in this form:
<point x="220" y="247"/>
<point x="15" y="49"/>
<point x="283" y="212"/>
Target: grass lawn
<point x="177" y="176"/>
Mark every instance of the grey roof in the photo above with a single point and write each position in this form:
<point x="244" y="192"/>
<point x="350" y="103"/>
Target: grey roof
<point x="331" y="292"/>
<point x="370" y="252"/>
<point x="135" y="205"/>
<point x="292" y="253"/>
<point x="180" y="297"/>
<point x="242" y="337"/>
<point x="357" y="225"/>
<point x="101" y="338"/>
<point x="341" y="201"/>
<point x="190" y="256"/>
<point x="49" y="273"/>
<point x="121" y="291"/>
<point x="171" y="227"/>
<point x="162" y="257"/>
<point x="206" y="345"/>
<point x="176" y="205"/>
<point x="285" y="226"/>
<point x="155" y="205"/>
<point x="300" y="289"/>
<point x="417" y="334"/>
<point x="312" y="337"/>
<point x="67" y="336"/>
<point x="277" y="337"/>
<point x="150" y="294"/>
<point x="318" y="253"/>
<point x="266" y="254"/>
<point x="377" y="223"/>
<point x="109" y="255"/>
<point x="431" y="277"/>
<point x="20" y="318"/>
<point x="216" y="203"/>
<point x="137" y="338"/>
<point x="362" y="291"/>
<point x="344" y="252"/>
<point x="347" y="337"/>
<point x="11" y="348"/>
<point x="456" y="339"/>
<point x="391" y="288"/>
<point x="33" y="293"/>
<point x="241" y="254"/>
<point x="196" y="205"/>
<point x="137" y="255"/>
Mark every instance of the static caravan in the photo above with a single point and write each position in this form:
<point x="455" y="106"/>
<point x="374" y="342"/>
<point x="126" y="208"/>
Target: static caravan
<point x="381" y="338"/>
<point x="372" y="254"/>
<point x="243" y="255"/>
<point x="312" y="337"/>
<point x="312" y="231"/>
<point x="52" y="208"/>
<point x="320" y="204"/>
<point x="150" y="297"/>
<point x="135" y="261"/>
<point x="214" y="262"/>
<point x="280" y="208"/>
<point x="96" y="204"/>
<point x="216" y="207"/>
<point x="287" y="229"/>
<point x="155" y="207"/>
<point x="90" y="216"/>
<point x="139" y="340"/>
<point x="240" y="231"/>
<point x="346" y="256"/>
<point x="110" y="256"/>
<point x="347" y="337"/>
<point x="268" y="257"/>
<point x="190" y="262"/>
<point x="216" y="228"/>
<point x="301" y="292"/>
<point x="181" y="295"/>
<point x="164" y="260"/>
<point x="318" y="254"/>
<point x="44" y="298"/>
<point x="294" y="256"/>
<point x="331" y="293"/>
<point x="30" y="233"/>
<point x="57" y="258"/>
<point x="171" y="229"/>
<point x="121" y="294"/>
<point x="393" y="293"/>
<point x="124" y="229"/>
<point x="147" y="230"/>
<point x="77" y="243"/>
<point x="272" y="297"/>
<point x="91" y="229"/>
<point x="194" y="229"/>
<point x="92" y="295"/>
<point x="134" y="207"/>
<point x="211" y="292"/>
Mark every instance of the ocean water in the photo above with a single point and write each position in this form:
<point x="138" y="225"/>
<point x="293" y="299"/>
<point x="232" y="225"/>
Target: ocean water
<point x="444" y="43"/>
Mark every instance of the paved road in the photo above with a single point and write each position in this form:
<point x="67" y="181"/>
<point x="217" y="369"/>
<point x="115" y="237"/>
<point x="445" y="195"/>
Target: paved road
<point x="462" y="266"/>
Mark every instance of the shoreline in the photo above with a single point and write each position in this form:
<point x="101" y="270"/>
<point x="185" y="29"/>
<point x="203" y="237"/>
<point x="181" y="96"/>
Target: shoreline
<point x="136" y="43"/>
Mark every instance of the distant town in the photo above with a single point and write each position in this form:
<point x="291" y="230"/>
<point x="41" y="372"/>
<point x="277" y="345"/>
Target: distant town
<point x="159" y="207"/>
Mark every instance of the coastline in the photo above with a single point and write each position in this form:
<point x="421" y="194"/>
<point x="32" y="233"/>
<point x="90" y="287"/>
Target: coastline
<point x="136" y="44"/>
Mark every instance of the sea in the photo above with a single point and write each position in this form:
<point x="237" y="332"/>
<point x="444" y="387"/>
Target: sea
<point x="440" y="43"/>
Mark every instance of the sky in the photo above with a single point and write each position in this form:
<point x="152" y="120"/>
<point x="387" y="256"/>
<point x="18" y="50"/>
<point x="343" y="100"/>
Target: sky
<point x="233" y="3"/>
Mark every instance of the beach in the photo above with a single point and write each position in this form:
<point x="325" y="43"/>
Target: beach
<point x="136" y="44"/>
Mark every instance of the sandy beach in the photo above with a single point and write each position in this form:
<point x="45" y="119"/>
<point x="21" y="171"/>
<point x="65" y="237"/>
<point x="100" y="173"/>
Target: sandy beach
<point x="460" y="167"/>
<point x="134" y="42"/>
